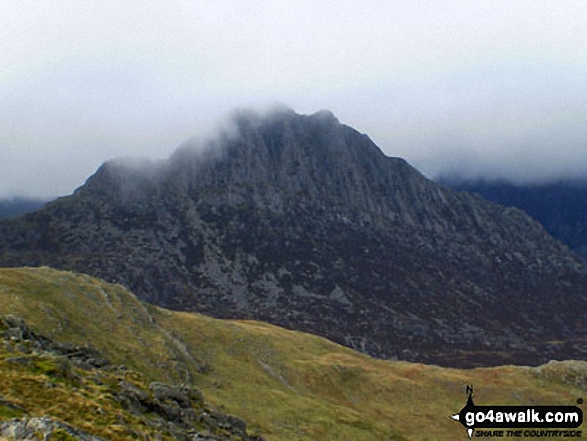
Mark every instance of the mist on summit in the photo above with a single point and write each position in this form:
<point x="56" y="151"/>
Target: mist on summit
<point x="304" y="222"/>
<point x="491" y="89"/>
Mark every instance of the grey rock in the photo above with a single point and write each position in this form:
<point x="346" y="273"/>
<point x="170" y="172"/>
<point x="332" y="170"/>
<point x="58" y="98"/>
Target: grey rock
<point x="168" y="409"/>
<point x="29" y="429"/>
<point x="303" y="222"/>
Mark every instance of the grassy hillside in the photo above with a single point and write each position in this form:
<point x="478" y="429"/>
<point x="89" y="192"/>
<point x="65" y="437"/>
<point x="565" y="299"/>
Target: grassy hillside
<point x="53" y="391"/>
<point x="287" y="385"/>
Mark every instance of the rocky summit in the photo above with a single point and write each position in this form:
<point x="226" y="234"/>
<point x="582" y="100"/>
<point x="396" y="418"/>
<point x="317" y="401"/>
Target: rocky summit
<point x="303" y="222"/>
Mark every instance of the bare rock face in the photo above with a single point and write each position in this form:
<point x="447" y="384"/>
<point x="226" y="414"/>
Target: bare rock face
<point x="303" y="222"/>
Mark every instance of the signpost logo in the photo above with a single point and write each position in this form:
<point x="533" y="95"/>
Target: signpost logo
<point x="515" y="421"/>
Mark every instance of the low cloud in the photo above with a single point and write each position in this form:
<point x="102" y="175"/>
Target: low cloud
<point x="491" y="88"/>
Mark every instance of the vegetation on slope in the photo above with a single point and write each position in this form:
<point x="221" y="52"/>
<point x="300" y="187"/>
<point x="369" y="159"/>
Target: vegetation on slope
<point x="287" y="385"/>
<point x="65" y="392"/>
<point x="304" y="223"/>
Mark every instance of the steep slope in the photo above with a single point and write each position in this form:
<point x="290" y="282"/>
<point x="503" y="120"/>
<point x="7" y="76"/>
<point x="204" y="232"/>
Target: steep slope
<point x="285" y="384"/>
<point x="52" y="391"/>
<point x="560" y="206"/>
<point x="303" y="222"/>
<point x="17" y="206"/>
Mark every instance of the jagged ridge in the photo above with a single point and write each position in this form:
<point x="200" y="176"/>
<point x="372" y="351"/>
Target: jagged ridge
<point x="303" y="222"/>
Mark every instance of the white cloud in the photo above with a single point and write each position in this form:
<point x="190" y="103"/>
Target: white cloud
<point x="498" y="81"/>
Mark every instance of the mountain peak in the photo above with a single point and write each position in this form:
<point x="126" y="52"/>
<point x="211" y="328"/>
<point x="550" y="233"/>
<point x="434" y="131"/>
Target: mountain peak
<point x="325" y="115"/>
<point x="294" y="160"/>
<point x="302" y="221"/>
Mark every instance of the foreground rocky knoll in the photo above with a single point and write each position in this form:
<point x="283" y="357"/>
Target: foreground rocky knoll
<point x="303" y="222"/>
<point x="110" y="366"/>
<point x="51" y="390"/>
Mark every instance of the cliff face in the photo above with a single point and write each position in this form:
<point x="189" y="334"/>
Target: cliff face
<point x="303" y="222"/>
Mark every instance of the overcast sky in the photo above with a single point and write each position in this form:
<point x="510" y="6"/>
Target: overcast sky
<point x="481" y="88"/>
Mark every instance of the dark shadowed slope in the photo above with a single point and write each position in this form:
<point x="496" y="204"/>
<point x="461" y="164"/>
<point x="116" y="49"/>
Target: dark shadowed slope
<point x="18" y="206"/>
<point x="560" y="206"/>
<point x="303" y="222"/>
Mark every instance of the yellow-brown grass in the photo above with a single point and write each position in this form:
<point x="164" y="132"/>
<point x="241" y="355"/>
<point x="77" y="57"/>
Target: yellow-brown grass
<point x="288" y="385"/>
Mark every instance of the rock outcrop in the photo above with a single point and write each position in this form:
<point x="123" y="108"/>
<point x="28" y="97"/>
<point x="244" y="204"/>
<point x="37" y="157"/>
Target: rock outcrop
<point x="303" y="222"/>
<point x="144" y="411"/>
